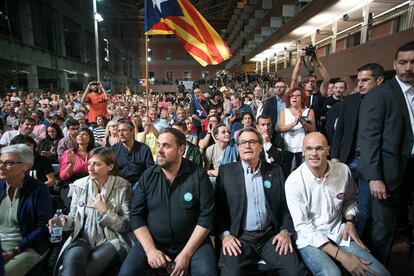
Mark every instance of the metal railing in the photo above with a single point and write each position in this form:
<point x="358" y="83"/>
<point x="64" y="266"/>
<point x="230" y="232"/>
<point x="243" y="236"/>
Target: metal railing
<point x="380" y="26"/>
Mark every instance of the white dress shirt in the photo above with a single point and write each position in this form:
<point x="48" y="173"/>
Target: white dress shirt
<point x="317" y="206"/>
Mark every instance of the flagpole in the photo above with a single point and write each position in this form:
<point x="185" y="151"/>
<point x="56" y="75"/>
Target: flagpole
<point x="146" y="73"/>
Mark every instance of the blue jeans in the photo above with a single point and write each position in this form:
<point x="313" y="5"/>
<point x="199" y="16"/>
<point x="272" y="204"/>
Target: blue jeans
<point x="320" y="264"/>
<point x="202" y="263"/>
<point x="364" y="196"/>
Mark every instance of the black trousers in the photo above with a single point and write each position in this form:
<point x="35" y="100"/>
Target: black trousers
<point x="385" y="214"/>
<point x="258" y="246"/>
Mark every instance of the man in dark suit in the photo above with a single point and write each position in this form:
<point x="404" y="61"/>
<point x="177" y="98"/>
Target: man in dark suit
<point x="275" y="104"/>
<point x="254" y="222"/>
<point x="344" y="146"/>
<point x="385" y="137"/>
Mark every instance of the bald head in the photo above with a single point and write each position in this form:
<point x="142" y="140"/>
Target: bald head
<point x="319" y="137"/>
<point x="316" y="151"/>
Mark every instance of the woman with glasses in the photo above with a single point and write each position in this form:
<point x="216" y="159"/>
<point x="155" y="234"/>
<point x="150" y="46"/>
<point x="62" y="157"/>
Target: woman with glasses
<point x="98" y="219"/>
<point x="294" y="122"/>
<point x="25" y="207"/>
<point x="111" y="134"/>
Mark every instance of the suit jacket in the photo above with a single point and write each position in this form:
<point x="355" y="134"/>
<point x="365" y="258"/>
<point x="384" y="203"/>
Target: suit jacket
<point x="270" y="108"/>
<point x="385" y="135"/>
<point x="231" y="198"/>
<point x="346" y="128"/>
<point x="33" y="213"/>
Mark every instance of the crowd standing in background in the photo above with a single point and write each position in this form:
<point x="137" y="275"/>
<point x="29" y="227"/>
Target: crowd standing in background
<point x="194" y="181"/>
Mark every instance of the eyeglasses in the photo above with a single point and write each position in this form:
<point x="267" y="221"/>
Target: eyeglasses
<point x="317" y="149"/>
<point x="9" y="163"/>
<point x="248" y="143"/>
<point x="364" y="80"/>
<point x="295" y="95"/>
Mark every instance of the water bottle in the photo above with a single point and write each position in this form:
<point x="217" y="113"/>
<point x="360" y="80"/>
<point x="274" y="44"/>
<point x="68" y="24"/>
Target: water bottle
<point x="57" y="227"/>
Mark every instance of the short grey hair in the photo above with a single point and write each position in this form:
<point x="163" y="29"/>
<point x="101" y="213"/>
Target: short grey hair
<point x="253" y="130"/>
<point x="23" y="152"/>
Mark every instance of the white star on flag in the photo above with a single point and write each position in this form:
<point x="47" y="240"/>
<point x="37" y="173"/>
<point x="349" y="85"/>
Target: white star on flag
<point x="158" y="3"/>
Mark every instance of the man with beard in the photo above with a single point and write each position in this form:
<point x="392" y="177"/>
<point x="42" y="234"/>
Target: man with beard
<point x="276" y="104"/>
<point x="172" y="214"/>
<point x="95" y="96"/>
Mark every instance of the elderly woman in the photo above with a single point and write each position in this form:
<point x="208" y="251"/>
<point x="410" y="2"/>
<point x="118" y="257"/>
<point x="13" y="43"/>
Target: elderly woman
<point x="111" y="134"/>
<point x="98" y="218"/>
<point x="25" y="207"/>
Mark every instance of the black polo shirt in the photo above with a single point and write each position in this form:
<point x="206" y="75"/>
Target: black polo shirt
<point x="133" y="163"/>
<point x="172" y="212"/>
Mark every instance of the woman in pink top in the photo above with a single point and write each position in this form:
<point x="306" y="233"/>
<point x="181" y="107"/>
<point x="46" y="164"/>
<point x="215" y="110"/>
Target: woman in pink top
<point x="73" y="163"/>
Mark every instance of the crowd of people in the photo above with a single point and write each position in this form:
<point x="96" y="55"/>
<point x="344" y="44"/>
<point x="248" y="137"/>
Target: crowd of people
<point x="290" y="176"/>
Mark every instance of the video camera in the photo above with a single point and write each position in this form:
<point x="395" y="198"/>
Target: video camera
<point x="310" y="50"/>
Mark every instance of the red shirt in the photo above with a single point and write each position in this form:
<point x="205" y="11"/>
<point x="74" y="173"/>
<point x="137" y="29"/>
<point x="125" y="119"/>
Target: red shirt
<point x="97" y="106"/>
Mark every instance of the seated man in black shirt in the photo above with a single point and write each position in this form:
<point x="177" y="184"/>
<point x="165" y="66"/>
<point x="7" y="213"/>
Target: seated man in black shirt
<point x="172" y="214"/>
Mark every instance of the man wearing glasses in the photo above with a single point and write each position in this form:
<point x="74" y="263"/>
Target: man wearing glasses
<point x="253" y="221"/>
<point x="275" y="104"/>
<point x="322" y="200"/>
<point x="345" y="146"/>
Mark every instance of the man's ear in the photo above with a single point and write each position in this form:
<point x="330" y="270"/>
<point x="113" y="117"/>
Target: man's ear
<point x="380" y="80"/>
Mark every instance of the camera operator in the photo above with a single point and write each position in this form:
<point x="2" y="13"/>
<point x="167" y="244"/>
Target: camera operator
<point x="309" y="82"/>
<point x="96" y="97"/>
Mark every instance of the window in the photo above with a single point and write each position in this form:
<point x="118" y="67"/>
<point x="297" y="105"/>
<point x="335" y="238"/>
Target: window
<point x="169" y="75"/>
<point x="205" y="75"/>
<point x="151" y="77"/>
<point x="187" y="75"/>
<point x="168" y="54"/>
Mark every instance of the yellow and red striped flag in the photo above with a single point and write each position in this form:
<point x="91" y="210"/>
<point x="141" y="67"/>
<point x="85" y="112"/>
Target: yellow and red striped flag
<point x="179" y="17"/>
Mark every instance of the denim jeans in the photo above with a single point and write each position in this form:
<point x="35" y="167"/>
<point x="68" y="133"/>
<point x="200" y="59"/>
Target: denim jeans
<point x="364" y="196"/>
<point x="202" y="263"/>
<point x="320" y="264"/>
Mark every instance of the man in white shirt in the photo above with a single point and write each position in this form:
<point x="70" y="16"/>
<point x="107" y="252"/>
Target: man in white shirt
<point x="321" y="197"/>
<point x="26" y="126"/>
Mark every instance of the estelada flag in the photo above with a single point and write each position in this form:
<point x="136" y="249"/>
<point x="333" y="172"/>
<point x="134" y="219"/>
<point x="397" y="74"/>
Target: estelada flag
<point x="179" y="17"/>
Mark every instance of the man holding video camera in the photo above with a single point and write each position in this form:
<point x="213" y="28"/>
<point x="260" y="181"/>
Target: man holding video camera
<point x="309" y="82"/>
<point x="96" y="97"/>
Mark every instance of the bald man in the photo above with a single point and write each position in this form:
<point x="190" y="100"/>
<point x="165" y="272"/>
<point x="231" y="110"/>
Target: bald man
<point x="321" y="197"/>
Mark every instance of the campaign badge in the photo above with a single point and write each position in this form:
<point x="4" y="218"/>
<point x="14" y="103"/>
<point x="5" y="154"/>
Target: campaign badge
<point x="188" y="197"/>
<point x="340" y="196"/>
<point x="267" y="184"/>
